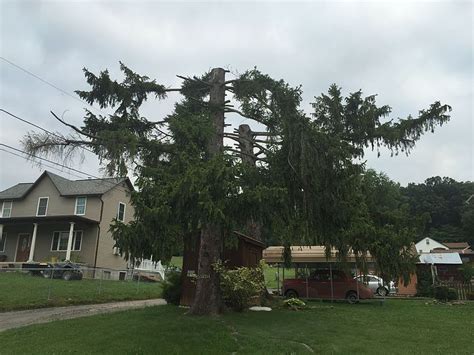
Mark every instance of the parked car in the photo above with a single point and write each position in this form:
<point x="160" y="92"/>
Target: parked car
<point x="377" y="285"/>
<point x="64" y="270"/>
<point x="319" y="286"/>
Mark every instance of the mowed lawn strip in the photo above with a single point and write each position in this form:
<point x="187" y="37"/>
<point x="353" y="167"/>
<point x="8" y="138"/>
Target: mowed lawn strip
<point x="21" y="291"/>
<point x="397" y="327"/>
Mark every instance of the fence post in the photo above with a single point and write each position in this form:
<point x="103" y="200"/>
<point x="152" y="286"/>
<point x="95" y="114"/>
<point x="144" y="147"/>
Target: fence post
<point x="100" y="281"/>
<point x="50" y="284"/>
<point x="138" y="281"/>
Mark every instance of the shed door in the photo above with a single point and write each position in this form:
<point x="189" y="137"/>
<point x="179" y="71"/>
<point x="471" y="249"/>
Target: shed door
<point x="23" y="249"/>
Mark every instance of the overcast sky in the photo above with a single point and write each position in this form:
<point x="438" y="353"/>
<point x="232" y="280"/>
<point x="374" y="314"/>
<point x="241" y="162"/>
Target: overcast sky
<point x="409" y="53"/>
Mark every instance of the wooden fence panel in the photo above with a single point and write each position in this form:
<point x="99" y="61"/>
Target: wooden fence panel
<point x="463" y="289"/>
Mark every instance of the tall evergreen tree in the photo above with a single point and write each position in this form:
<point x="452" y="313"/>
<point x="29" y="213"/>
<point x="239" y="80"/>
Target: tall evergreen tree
<point x="305" y="187"/>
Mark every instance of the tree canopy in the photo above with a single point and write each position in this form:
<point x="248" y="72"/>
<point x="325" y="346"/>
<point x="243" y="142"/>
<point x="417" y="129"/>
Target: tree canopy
<point x="307" y="186"/>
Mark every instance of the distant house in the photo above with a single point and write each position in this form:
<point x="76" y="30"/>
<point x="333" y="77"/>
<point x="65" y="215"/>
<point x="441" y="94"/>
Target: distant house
<point x="55" y="218"/>
<point x="426" y="245"/>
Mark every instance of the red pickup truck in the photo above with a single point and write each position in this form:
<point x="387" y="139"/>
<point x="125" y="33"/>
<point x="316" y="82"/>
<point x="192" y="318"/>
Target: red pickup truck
<point x="318" y="285"/>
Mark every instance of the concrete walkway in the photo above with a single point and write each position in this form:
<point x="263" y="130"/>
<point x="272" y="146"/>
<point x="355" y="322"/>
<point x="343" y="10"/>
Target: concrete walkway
<point x="9" y="320"/>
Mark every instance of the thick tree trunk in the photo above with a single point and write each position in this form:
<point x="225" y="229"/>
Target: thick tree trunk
<point x="208" y="298"/>
<point x="253" y="227"/>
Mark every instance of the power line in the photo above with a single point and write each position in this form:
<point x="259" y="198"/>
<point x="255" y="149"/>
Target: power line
<point x="114" y="185"/>
<point x="39" y="127"/>
<point x="49" y="83"/>
<point x="43" y="164"/>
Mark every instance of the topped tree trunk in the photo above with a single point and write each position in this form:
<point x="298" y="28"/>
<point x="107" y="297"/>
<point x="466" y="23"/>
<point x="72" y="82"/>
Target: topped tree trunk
<point x="208" y="298"/>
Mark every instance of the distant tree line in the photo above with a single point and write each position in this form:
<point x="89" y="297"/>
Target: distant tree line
<point x="446" y="206"/>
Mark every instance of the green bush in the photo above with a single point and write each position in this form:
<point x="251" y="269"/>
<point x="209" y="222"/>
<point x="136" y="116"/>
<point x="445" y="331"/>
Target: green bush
<point x="172" y="287"/>
<point x="294" y="303"/>
<point x="242" y="286"/>
<point x="444" y="293"/>
<point x="467" y="272"/>
<point x="470" y="296"/>
<point x="424" y="285"/>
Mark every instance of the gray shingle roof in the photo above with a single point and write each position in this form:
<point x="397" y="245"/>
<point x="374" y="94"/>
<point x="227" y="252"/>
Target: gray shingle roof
<point x="66" y="187"/>
<point x="16" y="191"/>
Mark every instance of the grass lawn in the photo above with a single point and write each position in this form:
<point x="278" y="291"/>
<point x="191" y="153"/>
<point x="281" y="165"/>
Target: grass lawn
<point x="20" y="291"/>
<point x="399" y="326"/>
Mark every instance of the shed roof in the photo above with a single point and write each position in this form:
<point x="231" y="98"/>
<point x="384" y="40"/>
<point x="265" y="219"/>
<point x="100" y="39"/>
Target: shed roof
<point x="307" y="254"/>
<point x="440" y="258"/>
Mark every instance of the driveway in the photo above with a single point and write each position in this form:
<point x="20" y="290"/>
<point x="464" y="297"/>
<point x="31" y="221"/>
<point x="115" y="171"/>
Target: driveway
<point x="9" y="320"/>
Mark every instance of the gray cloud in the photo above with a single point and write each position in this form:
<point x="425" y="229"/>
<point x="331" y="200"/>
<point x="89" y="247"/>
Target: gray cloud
<point x="410" y="54"/>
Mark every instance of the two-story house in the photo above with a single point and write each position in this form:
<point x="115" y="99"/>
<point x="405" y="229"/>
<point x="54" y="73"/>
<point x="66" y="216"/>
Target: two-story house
<point x="55" y="218"/>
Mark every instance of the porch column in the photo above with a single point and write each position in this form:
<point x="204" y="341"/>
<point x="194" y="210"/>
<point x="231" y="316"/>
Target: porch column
<point x="1" y="231"/>
<point x="33" y="242"/>
<point x="69" y="241"/>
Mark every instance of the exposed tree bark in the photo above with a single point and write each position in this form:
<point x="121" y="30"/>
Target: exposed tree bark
<point x="208" y="298"/>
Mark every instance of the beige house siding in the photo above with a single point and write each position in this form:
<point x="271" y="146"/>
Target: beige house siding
<point x="57" y="205"/>
<point x="44" y="237"/>
<point x="96" y="236"/>
<point x="105" y="252"/>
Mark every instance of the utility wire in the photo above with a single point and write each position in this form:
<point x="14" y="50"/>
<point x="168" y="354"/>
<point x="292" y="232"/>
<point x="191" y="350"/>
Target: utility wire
<point x="39" y="127"/>
<point x="49" y="84"/>
<point x="43" y="164"/>
<point x="114" y="185"/>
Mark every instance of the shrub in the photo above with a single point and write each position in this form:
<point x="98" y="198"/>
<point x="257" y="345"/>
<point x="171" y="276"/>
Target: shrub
<point x="172" y="287"/>
<point x="444" y="293"/>
<point x="467" y="272"/>
<point x="424" y="286"/>
<point x="241" y="286"/>
<point x="452" y="294"/>
<point x="294" y="303"/>
<point x="470" y="296"/>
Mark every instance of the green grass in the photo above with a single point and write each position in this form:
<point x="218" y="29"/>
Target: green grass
<point x="20" y="291"/>
<point x="398" y="327"/>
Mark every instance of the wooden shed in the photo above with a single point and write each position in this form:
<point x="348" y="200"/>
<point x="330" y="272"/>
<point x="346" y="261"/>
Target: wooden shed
<point x="246" y="252"/>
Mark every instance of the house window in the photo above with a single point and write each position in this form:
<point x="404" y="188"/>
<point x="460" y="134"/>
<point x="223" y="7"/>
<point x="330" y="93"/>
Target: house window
<point x="7" y="209"/>
<point x="3" y="239"/>
<point x="121" y="212"/>
<point x="42" y="206"/>
<point x="427" y="242"/>
<point x="80" y="205"/>
<point x="60" y="240"/>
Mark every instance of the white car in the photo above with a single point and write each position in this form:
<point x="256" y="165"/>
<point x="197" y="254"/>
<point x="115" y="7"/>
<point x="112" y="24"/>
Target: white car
<point x="377" y="285"/>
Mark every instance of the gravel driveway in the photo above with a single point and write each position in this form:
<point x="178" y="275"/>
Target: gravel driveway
<point x="9" y="320"/>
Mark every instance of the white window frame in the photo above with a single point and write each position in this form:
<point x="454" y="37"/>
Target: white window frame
<point x="47" y="205"/>
<point x="85" y="206"/>
<point x="3" y="209"/>
<point x="73" y="241"/>
<point x="118" y="211"/>
<point x="4" y="238"/>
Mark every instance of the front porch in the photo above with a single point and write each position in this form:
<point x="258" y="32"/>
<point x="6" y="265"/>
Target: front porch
<point x="48" y="239"/>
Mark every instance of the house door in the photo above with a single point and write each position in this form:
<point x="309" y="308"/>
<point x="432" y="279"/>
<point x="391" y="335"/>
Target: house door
<point x="23" y="248"/>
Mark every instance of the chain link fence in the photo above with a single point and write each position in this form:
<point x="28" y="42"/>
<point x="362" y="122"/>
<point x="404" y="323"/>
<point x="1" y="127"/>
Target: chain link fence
<point x="31" y="285"/>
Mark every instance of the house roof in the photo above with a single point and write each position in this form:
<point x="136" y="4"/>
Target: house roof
<point x="461" y="245"/>
<point x="66" y="187"/>
<point x="16" y="191"/>
<point x="440" y="258"/>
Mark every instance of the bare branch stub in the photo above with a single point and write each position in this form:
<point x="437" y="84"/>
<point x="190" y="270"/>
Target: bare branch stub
<point x="73" y="127"/>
